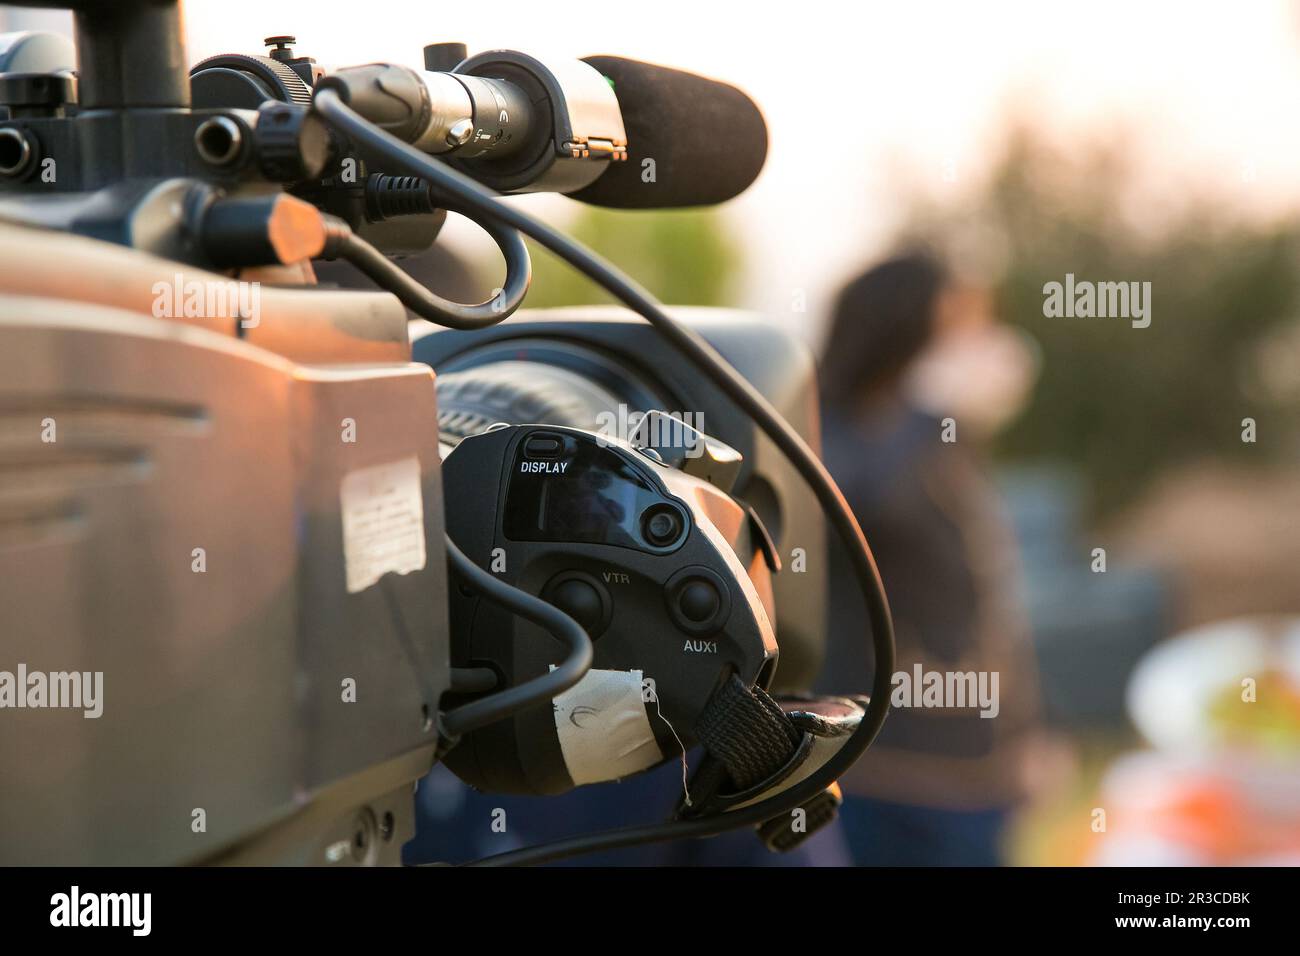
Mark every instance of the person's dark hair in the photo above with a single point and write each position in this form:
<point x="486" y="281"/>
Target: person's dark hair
<point x="882" y="319"/>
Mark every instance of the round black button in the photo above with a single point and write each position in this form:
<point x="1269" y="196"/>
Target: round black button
<point x="583" y="598"/>
<point x="662" y="525"/>
<point x="699" y="601"/>
<point x="578" y="599"/>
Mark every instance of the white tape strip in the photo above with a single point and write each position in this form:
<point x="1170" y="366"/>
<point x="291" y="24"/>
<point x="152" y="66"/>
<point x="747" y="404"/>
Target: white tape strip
<point x="603" y="729"/>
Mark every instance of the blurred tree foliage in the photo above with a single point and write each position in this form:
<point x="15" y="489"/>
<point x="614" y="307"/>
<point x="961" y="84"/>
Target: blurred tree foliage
<point x="1124" y="404"/>
<point x="684" y="257"/>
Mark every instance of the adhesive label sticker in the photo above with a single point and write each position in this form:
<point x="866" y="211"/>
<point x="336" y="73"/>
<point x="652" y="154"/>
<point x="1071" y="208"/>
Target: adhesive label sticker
<point x="383" y="522"/>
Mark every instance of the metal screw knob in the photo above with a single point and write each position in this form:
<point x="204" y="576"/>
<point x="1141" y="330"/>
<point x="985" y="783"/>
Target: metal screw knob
<point x="282" y="46"/>
<point x="460" y="132"/>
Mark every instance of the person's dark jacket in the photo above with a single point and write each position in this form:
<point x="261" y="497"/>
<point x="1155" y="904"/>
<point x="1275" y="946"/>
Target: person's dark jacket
<point x="948" y="561"/>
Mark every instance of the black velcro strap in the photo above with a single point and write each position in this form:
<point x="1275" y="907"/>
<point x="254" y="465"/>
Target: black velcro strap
<point x="747" y="732"/>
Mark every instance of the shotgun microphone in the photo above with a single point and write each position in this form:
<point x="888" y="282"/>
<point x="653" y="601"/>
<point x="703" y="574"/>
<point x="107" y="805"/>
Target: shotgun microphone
<point x="605" y="130"/>
<point x="691" y="141"/>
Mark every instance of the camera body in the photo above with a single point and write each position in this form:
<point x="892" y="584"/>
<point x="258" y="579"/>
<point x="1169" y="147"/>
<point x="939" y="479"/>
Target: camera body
<point x="186" y="536"/>
<point x="175" y="502"/>
<point x="231" y="519"/>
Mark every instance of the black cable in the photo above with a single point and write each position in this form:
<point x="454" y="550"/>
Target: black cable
<point x="343" y="243"/>
<point x="486" y="710"/>
<point x="475" y="197"/>
<point x="473" y="680"/>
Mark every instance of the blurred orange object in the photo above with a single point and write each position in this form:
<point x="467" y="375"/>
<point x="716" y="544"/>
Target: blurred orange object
<point x="1163" y="808"/>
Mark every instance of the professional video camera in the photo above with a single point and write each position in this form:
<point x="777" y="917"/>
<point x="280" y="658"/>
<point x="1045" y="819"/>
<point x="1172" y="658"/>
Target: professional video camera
<point x="259" y="570"/>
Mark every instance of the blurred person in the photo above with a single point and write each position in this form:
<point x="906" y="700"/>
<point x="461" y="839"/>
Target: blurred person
<point x="916" y="375"/>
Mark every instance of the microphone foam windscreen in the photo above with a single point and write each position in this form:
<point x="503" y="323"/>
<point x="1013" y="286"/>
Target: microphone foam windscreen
<point x="706" y="140"/>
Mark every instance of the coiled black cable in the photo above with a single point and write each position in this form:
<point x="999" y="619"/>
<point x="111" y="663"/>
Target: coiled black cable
<point x="342" y="243"/>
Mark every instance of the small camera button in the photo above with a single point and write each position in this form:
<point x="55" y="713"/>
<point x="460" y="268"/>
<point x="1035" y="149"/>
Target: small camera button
<point x="543" y="446"/>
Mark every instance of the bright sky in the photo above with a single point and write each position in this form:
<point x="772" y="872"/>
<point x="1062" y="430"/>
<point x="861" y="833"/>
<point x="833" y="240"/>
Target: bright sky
<point x="856" y="92"/>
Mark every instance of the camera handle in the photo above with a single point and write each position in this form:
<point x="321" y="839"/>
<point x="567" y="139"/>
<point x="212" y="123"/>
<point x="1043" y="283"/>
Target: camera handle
<point x="131" y="53"/>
